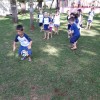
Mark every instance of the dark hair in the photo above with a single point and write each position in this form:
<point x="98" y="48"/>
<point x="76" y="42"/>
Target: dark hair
<point x="71" y="19"/>
<point x="76" y="15"/>
<point x="73" y="14"/>
<point x="19" y="27"/>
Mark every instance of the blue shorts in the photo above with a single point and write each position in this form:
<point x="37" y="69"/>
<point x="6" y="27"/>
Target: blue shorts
<point x="40" y="24"/>
<point x="73" y="39"/>
<point x="56" y="25"/>
<point x="46" y="27"/>
<point x="24" y="48"/>
<point x="69" y="26"/>
<point x="89" y="21"/>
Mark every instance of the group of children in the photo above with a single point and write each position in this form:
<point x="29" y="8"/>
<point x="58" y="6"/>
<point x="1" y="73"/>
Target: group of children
<point x="47" y="23"/>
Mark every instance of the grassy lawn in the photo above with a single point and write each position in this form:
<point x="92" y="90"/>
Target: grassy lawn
<point x="56" y="72"/>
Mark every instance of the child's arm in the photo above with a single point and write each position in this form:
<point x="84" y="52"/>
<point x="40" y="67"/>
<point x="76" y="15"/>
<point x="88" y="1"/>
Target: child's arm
<point x="70" y="32"/>
<point x="30" y="45"/>
<point x="14" y="46"/>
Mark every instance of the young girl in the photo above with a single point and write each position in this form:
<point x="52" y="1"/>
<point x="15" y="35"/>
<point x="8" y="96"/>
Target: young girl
<point x="90" y="18"/>
<point x="56" y="22"/>
<point x="50" y="26"/>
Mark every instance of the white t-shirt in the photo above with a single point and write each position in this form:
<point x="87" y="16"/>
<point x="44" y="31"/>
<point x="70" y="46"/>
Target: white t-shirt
<point x="57" y="19"/>
<point x="91" y="14"/>
<point x="46" y="20"/>
<point x="40" y="17"/>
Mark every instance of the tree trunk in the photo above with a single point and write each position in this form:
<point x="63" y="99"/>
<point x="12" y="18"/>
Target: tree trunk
<point x="40" y="5"/>
<point x="14" y="11"/>
<point x="31" y="16"/>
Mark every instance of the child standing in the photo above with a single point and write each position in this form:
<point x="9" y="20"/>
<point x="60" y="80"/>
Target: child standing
<point x="56" y="22"/>
<point x="75" y="34"/>
<point x="50" y="26"/>
<point x="40" y="17"/>
<point x="46" y="21"/>
<point x="90" y="18"/>
<point x="25" y="42"/>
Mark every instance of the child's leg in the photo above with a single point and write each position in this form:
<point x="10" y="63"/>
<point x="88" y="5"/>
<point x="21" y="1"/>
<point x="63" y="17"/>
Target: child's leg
<point x="90" y="26"/>
<point x="87" y="25"/>
<point x="48" y="34"/>
<point x="51" y="34"/>
<point x="74" y="46"/>
<point x="29" y="58"/>
<point x="44" y="35"/>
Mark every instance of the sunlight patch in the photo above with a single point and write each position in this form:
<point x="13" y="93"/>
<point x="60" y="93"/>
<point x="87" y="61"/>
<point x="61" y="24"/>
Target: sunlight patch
<point x="89" y="52"/>
<point x="10" y="54"/>
<point x="89" y="33"/>
<point x="51" y="50"/>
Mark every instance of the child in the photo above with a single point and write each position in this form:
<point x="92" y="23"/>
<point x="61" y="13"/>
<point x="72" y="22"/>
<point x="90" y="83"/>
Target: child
<point x="25" y="42"/>
<point x="79" y="11"/>
<point x="50" y="26"/>
<point x="74" y="32"/>
<point x="90" y="18"/>
<point x="40" y="17"/>
<point x="46" y="21"/>
<point x="56" y="22"/>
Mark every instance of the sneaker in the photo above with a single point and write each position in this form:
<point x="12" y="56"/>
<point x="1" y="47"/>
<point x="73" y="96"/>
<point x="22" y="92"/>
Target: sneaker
<point x="23" y="58"/>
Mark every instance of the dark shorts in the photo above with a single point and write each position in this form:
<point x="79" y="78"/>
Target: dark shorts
<point x="69" y="26"/>
<point x="56" y="25"/>
<point x="73" y="39"/>
<point x="46" y="27"/>
<point x="24" y="48"/>
<point x="89" y="21"/>
<point x="40" y="24"/>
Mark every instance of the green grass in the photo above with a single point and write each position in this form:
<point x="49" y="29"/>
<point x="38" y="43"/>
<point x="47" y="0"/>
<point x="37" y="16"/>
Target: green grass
<point x="56" y="72"/>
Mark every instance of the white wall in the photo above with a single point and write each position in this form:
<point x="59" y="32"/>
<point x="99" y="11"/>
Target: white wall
<point x="5" y="7"/>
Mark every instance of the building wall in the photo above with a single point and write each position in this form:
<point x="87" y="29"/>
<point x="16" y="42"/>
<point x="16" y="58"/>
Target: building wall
<point x="5" y="7"/>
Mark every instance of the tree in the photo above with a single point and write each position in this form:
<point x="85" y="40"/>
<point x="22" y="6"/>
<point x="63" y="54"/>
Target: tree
<point x="57" y="4"/>
<point x="31" y="15"/>
<point x="39" y="3"/>
<point x="14" y="11"/>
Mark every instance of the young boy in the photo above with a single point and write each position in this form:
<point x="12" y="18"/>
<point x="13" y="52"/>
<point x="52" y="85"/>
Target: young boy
<point x="40" y="17"/>
<point x="25" y="42"/>
<point x="46" y="21"/>
<point x="90" y="18"/>
<point x="75" y="33"/>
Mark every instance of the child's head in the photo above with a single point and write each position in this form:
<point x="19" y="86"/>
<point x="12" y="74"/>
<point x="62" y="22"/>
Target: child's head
<point x="71" y="20"/>
<point x="79" y="11"/>
<point x="72" y="15"/>
<point x="19" y="29"/>
<point x="76" y="15"/>
<point x="45" y="14"/>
